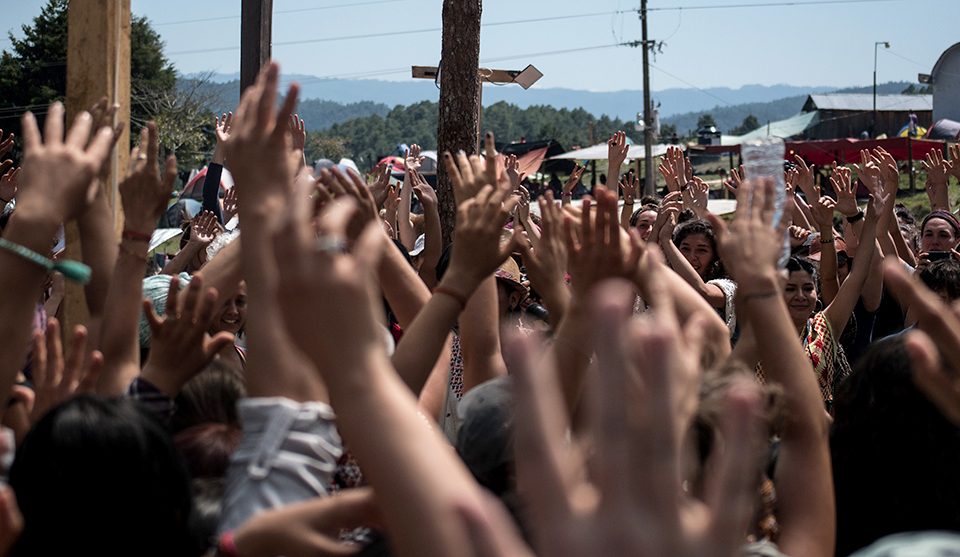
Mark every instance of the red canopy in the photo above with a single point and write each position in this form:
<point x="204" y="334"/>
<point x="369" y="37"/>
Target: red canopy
<point x="844" y="151"/>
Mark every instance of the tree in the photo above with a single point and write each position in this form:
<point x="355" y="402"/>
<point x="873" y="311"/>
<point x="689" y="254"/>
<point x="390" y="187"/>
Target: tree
<point x="668" y="133"/>
<point x="33" y="73"/>
<point x="705" y="121"/>
<point x="749" y="124"/>
<point x="459" y="122"/>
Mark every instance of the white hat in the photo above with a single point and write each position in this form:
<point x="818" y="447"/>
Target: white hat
<point x="417" y="246"/>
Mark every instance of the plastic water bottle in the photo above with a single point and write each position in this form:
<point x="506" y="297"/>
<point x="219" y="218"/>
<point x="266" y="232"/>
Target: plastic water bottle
<point x="763" y="158"/>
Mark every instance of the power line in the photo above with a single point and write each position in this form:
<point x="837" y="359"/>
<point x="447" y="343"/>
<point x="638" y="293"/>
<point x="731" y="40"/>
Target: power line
<point x="765" y="5"/>
<point x="405" y="69"/>
<point x="229" y="17"/>
<point x="688" y="84"/>
<point x="403" y="32"/>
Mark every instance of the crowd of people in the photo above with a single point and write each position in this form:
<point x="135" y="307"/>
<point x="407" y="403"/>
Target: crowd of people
<point x="316" y="372"/>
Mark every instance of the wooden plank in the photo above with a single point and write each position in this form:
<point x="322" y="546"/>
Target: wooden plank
<point x="256" y="18"/>
<point x="98" y="65"/>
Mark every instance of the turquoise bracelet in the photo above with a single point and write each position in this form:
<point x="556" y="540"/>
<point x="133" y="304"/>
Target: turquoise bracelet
<point x="72" y="270"/>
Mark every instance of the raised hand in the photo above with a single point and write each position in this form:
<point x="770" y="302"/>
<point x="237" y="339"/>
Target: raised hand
<point x="230" y="205"/>
<point x="381" y="181"/>
<point x="204" y="228"/>
<point x="259" y="146"/>
<point x="842" y="182"/>
<point x="630" y="185"/>
<point x="670" y="208"/>
<point x="937" y="170"/>
<point x="546" y="261"/>
<point x="6" y="145"/>
<point x="805" y="180"/>
<point x="636" y="469"/>
<point x="144" y="192"/>
<point x="736" y="178"/>
<point x="298" y="132"/>
<point x="616" y="153"/>
<point x="595" y="247"/>
<point x="59" y="173"/>
<point x="523" y="205"/>
<point x="751" y="245"/>
<point x="318" y="276"/>
<point x="9" y="182"/>
<point x="348" y="184"/>
<point x="469" y="174"/>
<point x="573" y="180"/>
<point x="56" y="377"/>
<point x="823" y="213"/>
<point x="414" y="160"/>
<point x="954" y="163"/>
<point x="512" y="166"/>
<point x="478" y="252"/>
<point x="696" y="194"/>
<point x="222" y="126"/>
<point x="180" y="346"/>
<point x="424" y="192"/>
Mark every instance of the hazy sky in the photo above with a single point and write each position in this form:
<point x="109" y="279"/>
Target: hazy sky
<point x="817" y="44"/>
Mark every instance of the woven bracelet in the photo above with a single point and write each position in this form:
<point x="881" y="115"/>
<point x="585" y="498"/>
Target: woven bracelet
<point x="71" y="270"/>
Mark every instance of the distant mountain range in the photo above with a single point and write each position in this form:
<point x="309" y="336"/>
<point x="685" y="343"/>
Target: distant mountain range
<point x="331" y="101"/>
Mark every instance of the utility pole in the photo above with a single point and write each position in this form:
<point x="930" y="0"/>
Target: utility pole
<point x="649" y="185"/>
<point x="98" y="65"/>
<point x="459" y="118"/>
<point x="256" y="19"/>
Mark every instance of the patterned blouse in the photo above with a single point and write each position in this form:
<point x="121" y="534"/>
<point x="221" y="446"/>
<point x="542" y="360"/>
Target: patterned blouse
<point x="826" y="355"/>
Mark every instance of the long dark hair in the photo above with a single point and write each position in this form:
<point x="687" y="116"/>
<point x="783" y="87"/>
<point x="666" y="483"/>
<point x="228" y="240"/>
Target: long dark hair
<point x="102" y="477"/>
<point x="699" y="226"/>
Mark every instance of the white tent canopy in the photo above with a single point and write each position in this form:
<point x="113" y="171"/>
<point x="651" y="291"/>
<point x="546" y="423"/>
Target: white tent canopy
<point x="599" y="152"/>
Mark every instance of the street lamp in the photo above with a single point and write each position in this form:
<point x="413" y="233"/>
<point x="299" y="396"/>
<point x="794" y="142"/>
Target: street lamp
<point x="873" y="125"/>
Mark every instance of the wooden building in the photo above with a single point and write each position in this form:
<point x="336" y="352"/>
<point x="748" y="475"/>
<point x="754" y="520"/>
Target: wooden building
<point x="843" y="115"/>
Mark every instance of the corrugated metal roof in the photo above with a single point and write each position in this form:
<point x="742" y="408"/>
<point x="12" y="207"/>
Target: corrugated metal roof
<point x="864" y="102"/>
<point x="791" y="127"/>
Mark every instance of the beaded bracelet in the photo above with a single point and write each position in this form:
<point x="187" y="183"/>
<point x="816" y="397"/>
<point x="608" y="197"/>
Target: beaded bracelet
<point x="71" y="270"/>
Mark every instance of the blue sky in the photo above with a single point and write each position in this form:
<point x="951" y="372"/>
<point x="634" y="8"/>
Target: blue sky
<point x="799" y="45"/>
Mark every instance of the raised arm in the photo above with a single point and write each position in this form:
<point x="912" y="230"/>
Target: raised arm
<point x="750" y="247"/>
<point x="712" y="293"/>
<point x="411" y="164"/>
<point x="839" y="311"/>
<point x="476" y="257"/>
<point x="829" y="282"/>
<point x="259" y="150"/>
<point x="432" y="234"/>
<point x="144" y="194"/>
<point x="57" y="186"/>
<point x="330" y="308"/>
<point x="629" y="185"/>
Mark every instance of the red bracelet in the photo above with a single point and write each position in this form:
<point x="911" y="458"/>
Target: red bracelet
<point x="135" y="236"/>
<point x="455" y="295"/>
<point x="227" y="547"/>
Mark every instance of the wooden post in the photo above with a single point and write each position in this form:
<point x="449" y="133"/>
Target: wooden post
<point x="256" y="18"/>
<point x="459" y="120"/>
<point x="98" y="65"/>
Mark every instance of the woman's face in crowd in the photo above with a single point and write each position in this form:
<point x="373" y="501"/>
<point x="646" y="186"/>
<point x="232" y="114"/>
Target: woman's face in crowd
<point x="233" y="314"/>
<point x="645" y="223"/>
<point x="938" y="235"/>
<point x="800" y="294"/>
<point x="698" y="250"/>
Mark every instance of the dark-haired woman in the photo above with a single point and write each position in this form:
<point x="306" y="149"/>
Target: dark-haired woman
<point x="691" y="250"/>
<point x="820" y="329"/>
